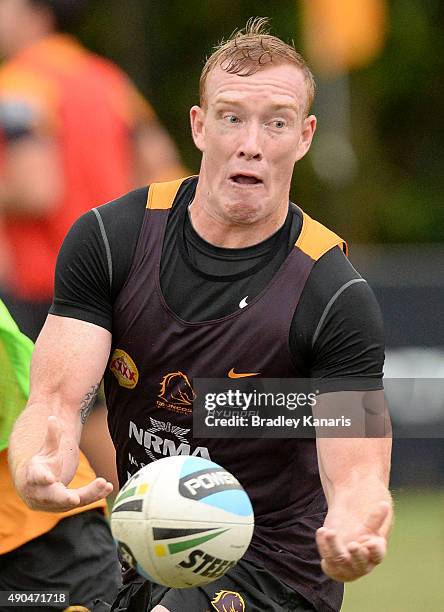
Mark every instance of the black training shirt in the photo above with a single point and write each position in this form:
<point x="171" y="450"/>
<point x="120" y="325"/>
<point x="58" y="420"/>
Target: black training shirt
<point x="336" y="329"/>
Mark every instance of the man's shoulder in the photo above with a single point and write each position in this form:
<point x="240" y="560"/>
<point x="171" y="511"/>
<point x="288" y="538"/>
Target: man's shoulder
<point x="166" y="194"/>
<point x="135" y="195"/>
<point x="316" y="239"/>
<point x="331" y="272"/>
<point x="124" y="209"/>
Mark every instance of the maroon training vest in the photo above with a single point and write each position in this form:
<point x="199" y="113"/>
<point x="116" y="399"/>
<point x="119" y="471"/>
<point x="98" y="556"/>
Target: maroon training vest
<point x="155" y="358"/>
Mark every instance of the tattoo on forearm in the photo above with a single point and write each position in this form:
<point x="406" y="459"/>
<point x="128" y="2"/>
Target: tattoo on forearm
<point x="88" y="402"/>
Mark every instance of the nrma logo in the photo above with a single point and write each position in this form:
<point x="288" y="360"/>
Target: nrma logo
<point x="172" y="444"/>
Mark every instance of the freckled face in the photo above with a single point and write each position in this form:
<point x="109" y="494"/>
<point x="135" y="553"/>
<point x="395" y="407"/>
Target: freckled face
<point x="251" y="132"/>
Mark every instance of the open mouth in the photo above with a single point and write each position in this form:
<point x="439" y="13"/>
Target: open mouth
<point x="244" y="179"/>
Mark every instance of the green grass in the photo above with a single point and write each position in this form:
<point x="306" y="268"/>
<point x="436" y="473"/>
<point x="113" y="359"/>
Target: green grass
<point x="411" y="578"/>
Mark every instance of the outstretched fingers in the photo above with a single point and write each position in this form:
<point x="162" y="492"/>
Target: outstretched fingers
<point x="343" y="563"/>
<point x="53" y="498"/>
<point x="377" y="547"/>
<point x="93" y="491"/>
<point x="58" y="498"/>
<point x="329" y="546"/>
<point x="359" y="558"/>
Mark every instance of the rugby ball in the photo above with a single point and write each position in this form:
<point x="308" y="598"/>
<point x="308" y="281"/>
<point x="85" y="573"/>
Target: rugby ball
<point x="182" y="521"/>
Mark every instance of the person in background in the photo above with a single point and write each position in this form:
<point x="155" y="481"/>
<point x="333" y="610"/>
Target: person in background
<point x="74" y="133"/>
<point x="72" y="551"/>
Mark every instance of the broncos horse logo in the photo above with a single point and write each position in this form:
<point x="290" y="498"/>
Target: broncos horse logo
<point x="175" y="388"/>
<point x="228" y="601"/>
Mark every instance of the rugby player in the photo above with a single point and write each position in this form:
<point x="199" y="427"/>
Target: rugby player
<point x="205" y="277"/>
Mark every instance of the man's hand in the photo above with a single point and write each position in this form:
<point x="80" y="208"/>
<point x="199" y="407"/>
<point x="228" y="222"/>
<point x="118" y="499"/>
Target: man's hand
<point x="39" y="481"/>
<point x="346" y="561"/>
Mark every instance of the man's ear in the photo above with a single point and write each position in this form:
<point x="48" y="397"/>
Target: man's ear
<point x="197" y="116"/>
<point x="308" y="130"/>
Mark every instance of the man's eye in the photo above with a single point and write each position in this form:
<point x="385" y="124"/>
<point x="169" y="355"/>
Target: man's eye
<point x="279" y="123"/>
<point x="231" y="119"/>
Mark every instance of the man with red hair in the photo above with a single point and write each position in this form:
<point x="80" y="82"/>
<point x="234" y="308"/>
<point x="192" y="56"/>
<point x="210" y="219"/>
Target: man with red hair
<point x="211" y="276"/>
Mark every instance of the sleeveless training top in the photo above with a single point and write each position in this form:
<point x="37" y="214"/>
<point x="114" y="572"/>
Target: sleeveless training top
<point x="155" y="352"/>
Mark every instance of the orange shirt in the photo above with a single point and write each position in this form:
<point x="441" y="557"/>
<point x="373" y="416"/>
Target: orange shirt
<point x="90" y="108"/>
<point x="18" y="523"/>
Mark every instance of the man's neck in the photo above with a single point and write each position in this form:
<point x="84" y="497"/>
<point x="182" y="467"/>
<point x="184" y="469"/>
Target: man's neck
<point x="217" y="231"/>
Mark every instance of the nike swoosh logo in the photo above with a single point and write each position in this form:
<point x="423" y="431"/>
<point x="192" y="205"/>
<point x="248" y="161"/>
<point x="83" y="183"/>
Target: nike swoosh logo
<point x="243" y="302"/>
<point x="233" y="374"/>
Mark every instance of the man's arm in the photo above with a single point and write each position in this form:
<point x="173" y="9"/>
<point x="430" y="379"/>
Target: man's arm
<point x="68" y="364"/>
<point x="355" y="476"/>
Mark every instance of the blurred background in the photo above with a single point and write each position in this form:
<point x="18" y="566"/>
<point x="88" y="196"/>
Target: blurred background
<point x="374" y="175"/>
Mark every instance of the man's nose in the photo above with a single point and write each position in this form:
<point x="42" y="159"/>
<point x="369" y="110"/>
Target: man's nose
<point x="250" y="147"/>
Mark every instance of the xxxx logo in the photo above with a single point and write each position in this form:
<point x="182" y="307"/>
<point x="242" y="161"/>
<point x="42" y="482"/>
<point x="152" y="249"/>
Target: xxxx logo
<point x="228" y="601"/>
<point x="124" y="369"/>
<point x="176" y="393"/>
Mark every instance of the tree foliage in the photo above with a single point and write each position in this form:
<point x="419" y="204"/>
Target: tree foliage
<point x="395" y="103"/>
